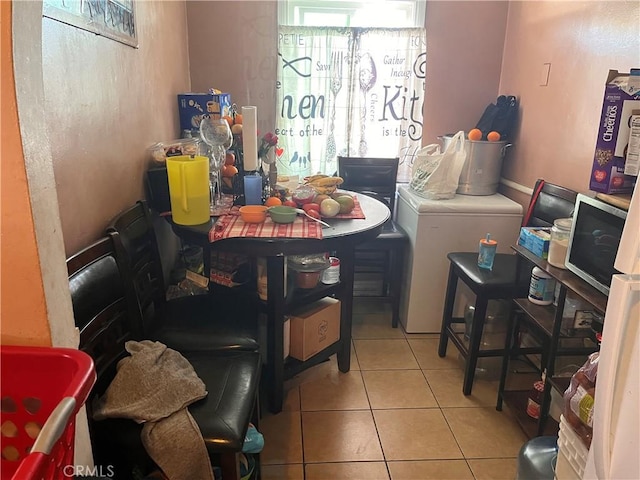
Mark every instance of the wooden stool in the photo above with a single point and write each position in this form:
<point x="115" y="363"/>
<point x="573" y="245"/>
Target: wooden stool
<point x="495" y="284"/>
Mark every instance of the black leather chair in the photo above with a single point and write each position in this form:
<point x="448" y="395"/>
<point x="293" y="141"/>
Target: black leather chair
<point x="108" y="316"/>
<point x="196" y="322"/>
<point x="547" y="203"/>
<point x="386" y="253"/>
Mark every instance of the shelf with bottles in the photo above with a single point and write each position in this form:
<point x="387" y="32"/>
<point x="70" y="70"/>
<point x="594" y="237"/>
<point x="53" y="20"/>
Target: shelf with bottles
<point x="568" y="279"/>
<point x="555" y="332"/>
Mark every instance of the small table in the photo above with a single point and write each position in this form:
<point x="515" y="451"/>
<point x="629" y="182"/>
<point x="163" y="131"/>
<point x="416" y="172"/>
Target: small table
<point x="342" y="237"/>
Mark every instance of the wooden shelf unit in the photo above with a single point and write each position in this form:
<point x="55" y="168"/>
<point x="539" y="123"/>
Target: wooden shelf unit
<point x="545" y="323"/>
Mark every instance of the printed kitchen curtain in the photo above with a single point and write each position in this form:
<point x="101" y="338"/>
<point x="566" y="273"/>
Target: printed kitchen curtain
<point x="348" y="91"/>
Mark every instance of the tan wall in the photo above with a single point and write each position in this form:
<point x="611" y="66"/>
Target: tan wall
<point x="559" y="122"/>
<point x="232" y="47"/>
<point x="106" y="103"/>
<point x="465" y="41"/>
<point x="23" y="312"/>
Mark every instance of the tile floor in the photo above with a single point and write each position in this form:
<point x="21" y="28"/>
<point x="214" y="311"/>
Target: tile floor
<point x="399" y="414"/>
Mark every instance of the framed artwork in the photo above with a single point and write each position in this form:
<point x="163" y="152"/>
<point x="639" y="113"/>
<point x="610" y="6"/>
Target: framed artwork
<point x="114" y="19"/>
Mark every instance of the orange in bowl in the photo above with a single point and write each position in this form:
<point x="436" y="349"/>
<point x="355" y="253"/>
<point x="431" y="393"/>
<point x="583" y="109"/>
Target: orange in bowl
<point x="253" y="213"/>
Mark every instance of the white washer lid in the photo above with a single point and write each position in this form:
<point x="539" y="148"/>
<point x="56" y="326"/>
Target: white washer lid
<point x="495" y="204"/>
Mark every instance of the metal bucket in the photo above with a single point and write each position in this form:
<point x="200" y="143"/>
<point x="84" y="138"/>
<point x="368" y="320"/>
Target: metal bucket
<point x="481" y="171"/>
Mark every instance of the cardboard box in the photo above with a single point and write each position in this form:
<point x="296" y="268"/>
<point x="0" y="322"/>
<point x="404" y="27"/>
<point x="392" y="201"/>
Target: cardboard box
<point x="621" y="97"/>
<point x="314" y="328"/>
<point x="262" y="338"/>
<point x="192" y="107"/>
<point x="632" y="164"/>
<point x="536" y="240"/>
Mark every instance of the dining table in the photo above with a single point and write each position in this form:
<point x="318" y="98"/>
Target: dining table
<point x="339" y="239"/>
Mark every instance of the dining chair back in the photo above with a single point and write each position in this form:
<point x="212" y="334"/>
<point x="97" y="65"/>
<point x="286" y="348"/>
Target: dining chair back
<point x="107" y="315"/>
<point x="194" y="322"/>
<point x="548" y="203"/>
<point x="385" y="255"/>
<point x="377" y="175"/>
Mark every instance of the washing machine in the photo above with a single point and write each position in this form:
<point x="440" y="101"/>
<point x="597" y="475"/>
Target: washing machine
<point x="437" y="227"/>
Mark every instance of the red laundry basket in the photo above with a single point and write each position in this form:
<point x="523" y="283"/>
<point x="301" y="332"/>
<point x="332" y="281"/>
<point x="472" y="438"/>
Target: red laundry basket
<point x="42" y="390"/>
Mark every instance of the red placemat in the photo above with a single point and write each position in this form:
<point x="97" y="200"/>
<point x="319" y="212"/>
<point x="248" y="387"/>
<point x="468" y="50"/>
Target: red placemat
<point x="232" y="226"/>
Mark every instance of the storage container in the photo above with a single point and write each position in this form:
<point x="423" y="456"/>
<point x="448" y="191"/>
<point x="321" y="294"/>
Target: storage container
<point x="481" y="171"/>
<point x="541" y="287"/>
<point x="307" y="268"/>
<point x="43" y="388"/>
<point x="572" y="455"/>
<point x="559" y="244"/>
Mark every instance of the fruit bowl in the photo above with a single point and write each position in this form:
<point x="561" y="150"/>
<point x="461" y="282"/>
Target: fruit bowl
<point x="283" y="214"/>
<point x="253" y="213"/>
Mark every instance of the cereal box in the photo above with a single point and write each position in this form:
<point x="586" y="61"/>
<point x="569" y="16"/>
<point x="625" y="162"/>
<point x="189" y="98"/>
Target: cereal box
<point x="193" y="106"/>
<point x="621" y="97"/>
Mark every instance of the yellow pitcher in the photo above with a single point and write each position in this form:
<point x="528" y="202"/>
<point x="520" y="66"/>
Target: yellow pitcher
<point x="189" y="189"/>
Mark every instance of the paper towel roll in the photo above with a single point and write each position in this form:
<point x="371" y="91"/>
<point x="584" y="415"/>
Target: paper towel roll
<point x="250" y="138"/>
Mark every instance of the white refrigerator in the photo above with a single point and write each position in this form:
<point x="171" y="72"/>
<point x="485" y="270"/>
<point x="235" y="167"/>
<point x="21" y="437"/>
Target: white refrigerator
<point x="437" y="227"/>
<point x="615" y="448"/>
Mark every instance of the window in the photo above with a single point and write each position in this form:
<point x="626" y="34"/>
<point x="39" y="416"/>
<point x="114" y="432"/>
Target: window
<point x="346" y="13"/>
<point x="349" y="90"/>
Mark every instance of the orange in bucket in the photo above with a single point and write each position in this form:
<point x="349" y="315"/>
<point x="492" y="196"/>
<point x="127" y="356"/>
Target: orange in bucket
<point x="475" y="134"/>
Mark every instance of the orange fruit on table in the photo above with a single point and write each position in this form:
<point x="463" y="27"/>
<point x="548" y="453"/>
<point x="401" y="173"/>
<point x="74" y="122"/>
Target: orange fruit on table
<point x="273" y="202"/>
<point x="493" y="136"/>
<point x="475" y="134"/>
<point x="229" y="158"/>
<point x="236" y="129"/>
<point x="238" y="119"/>
<point x="229" y="171"/>
<point x="229" y="120"/>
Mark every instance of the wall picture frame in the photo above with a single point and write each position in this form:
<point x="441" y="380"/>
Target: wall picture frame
<point x="114" y="19"/>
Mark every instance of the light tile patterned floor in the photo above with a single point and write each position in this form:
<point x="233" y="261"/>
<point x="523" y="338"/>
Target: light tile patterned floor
<point x="399" y="414"/>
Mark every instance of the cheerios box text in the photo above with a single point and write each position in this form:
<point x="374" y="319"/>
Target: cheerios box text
<point x="621" y="97"/>
<point x="193" y="106"/>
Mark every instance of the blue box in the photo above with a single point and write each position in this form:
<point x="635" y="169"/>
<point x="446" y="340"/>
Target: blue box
<point x="193" y="106"/>
<point x="536" y="240"/>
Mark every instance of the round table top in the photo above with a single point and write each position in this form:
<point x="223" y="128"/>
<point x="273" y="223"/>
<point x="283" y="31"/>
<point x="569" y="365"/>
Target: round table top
<point x="343" y="232"/>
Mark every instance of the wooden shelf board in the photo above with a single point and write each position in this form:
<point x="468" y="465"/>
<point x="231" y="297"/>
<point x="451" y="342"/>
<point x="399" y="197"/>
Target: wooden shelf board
<point x="569" y="279"/>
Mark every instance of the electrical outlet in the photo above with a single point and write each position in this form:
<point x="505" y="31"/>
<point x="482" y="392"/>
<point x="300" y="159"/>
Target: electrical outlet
<point x="544" y="74"/>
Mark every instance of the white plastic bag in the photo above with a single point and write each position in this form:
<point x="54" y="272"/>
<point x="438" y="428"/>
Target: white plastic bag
<point x="436" y="174"/>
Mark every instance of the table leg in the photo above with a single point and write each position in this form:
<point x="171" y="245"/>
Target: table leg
<point x="275" y="332"/>
<point x="346" y="309"/>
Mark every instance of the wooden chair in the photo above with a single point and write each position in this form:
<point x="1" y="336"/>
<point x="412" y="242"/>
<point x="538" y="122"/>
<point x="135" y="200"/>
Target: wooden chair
<point x="196" y="322"/>
<point x="547" y="203"/>
<point x="386" y="253"/>
<point x="108" y="316"/>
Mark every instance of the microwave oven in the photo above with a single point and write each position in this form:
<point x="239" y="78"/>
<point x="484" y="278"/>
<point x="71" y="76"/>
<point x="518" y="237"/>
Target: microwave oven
<point x="593" y="244"/>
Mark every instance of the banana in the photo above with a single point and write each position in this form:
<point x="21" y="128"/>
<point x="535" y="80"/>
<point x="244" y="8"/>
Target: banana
<point x="328" y="181"/>
<point x="328" y="190"/>
<point x="314" y="178"/>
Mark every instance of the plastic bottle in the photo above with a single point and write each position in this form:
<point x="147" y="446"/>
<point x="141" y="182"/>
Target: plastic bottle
<point x="541" y="287"/>
<point x="559" y="244"/>
<point x="535" y="399"/>
<point x="487" y="252"/>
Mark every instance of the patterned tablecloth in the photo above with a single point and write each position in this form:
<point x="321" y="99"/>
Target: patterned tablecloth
<point x="230" y="226"/>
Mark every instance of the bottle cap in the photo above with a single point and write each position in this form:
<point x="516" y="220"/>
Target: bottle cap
<point x="487" y="241"/>
<point x="563" y="223"/>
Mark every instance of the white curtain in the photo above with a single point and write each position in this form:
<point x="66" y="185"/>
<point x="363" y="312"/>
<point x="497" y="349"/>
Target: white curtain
<point x="348" y="91"/>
